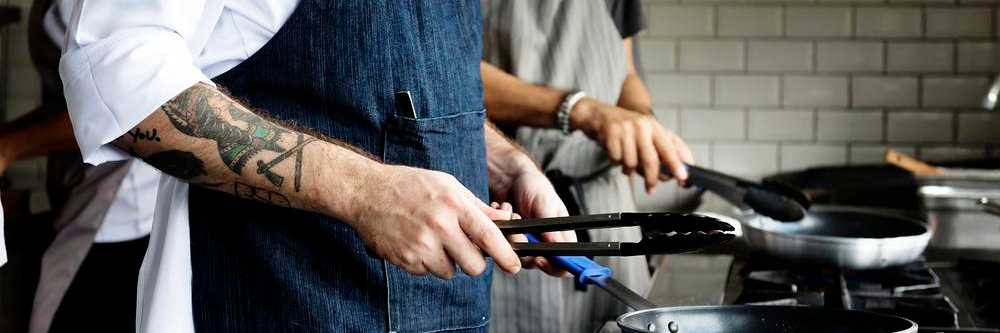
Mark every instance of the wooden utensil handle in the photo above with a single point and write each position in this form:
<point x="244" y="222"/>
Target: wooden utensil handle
<point x="911" y="164"/>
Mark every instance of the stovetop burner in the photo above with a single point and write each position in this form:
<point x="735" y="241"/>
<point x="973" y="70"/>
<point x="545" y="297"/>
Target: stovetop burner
<point x="912" y="291"/>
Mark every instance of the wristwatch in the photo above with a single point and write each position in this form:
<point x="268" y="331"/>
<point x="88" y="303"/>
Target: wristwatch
<point x="566" y="107"/>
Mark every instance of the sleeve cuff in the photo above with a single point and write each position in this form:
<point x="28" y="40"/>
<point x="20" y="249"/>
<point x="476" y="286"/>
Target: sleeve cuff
<point x="113" y="84"/>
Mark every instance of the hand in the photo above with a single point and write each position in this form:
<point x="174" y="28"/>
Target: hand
<point x="539" y="262"/>
<point x="426" y="221"/>
<point x="525" y="185"/>
<point x="635" y="140"/>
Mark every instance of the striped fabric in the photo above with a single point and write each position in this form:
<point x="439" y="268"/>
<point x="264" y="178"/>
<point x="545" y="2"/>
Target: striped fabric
<point x="565" y="45"/>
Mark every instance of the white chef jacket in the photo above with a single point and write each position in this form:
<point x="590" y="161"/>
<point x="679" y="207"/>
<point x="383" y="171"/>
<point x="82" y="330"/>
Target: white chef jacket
<point x="122" y="60"/>
<point x="110" y="203"/>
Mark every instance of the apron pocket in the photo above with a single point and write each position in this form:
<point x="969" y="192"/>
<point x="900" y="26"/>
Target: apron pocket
<point x="454" y="144"/>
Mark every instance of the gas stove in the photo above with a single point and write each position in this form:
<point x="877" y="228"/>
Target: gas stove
<point x="939" y="296"/>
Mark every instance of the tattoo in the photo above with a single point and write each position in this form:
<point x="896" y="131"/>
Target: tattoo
<point x="196" y="112"/>
<point x="251" y="192"/>
<point x="138" y="134"/>
<point x="298" y="163"/>
<point x="181" y="164"/>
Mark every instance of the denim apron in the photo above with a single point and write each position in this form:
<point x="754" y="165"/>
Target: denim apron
<point x="336" y="68"/>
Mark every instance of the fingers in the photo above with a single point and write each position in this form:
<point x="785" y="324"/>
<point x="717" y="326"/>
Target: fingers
<point x="669" y="154"/>
<point x="685" y="151"/>
<point x="479" y="227"/>
<point x="541" y="263"/>
<point x="613" y="143"/>
<point x="648" y="156"/>
<point x="437" y="262"/>
<point x="630" y="157"/>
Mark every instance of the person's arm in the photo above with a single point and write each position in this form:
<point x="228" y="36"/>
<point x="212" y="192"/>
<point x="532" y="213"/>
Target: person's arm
<point x="128" y="68"/>
<point x="515" y="178"/>
<point x="512" y="101"/>
<point x="634" y="95"/>
<point x="35" y="134"/>
<point x="206" y="138"/>
<point x="634" y="140"/>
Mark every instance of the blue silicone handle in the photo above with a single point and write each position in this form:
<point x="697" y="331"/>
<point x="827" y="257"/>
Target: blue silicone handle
<point x="585" y="270"/>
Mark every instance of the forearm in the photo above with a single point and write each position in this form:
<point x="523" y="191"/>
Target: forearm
<point x="206" y="138"/>
<point x="505" y="160"/>
<point x="35" y="134"/>
<point x="634" y="95"/>
<point x="512" y="101"/>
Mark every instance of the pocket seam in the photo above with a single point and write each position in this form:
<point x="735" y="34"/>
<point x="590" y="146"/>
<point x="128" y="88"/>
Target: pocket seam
<point x="456" y="115"/>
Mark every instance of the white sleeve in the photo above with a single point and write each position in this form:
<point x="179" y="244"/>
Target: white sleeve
<point x="123" y="59"/>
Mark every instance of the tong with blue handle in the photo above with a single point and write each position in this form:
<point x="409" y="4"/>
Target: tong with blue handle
<point x="662" y="233"/>
<point x="586" y="271"/>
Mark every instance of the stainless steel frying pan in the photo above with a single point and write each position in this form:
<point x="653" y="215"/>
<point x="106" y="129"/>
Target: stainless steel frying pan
<point x="845" y="237"/>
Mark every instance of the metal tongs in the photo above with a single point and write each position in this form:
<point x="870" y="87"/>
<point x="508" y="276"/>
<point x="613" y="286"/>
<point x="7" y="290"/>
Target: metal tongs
<point x="663" y="233"/>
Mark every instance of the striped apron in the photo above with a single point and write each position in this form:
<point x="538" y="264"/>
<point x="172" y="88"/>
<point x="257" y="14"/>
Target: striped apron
<point x="564" y="45"/>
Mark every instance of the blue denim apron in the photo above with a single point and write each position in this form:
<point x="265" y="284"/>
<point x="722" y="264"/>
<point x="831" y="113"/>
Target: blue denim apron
<point x="335" y="68"/>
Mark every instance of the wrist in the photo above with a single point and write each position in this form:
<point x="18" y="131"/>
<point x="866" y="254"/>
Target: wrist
<point x="507" y="166"/>
<point x="583" y="114"/>
<point x="341" y="191"/>
<point x="566" y="108"/>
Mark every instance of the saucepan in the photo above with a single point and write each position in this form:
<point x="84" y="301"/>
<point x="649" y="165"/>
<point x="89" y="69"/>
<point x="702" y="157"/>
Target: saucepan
<point x="726" y="318"/>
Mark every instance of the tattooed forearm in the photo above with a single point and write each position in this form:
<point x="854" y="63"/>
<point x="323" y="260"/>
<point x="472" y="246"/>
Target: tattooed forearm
<point x="181" y="164"/>
<point x="247" y="191"/>
<point x="206" y="138"/>
<point x="137" y="134"/>
<point x="196" y="115"/>
<point x="240" y="137"/>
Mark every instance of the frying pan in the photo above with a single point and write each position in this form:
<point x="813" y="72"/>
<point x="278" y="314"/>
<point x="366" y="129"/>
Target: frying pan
<point x="725" y="318"/>
<point x="844" y="237"/>
<point x="751" y="319"/>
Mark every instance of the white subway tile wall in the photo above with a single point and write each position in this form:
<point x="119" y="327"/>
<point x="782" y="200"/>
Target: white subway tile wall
<point x="781" y="125"/>
<point x="959" y="22"/>
<point x="889" y="22"/>
<point x="711" y="55"/>
<point x="824" y="82"/>
<point x="816" y="21"/>
<point x="815" y="91"/>
<point x="713" y="124"/>
<point x="746" y="90"/>
<point x="978" y="57"/>
<point x="920" y="126"/>
<point x="889" y="91"/>
<point x="750" y="21"/>
<point x="925" y="57"/>
<point x="849" y="56"/>
<point x="849" y="126"/>
<point x="779" y="56"/>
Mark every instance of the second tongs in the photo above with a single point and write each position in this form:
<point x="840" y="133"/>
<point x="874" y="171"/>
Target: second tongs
<point x="662" y="233"/>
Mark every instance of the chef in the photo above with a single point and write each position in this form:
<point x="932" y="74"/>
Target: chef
<point x="561" y="73"/>
<point x="101" y="224"/>
<point x="344" y="163"/>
